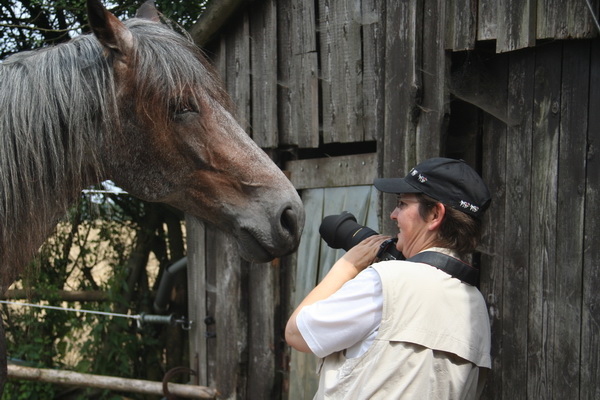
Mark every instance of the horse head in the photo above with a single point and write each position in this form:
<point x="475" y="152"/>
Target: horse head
<point x="173" y="138"/>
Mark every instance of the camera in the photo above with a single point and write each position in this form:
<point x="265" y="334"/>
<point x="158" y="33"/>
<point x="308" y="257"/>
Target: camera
<point x="341" y="231"/>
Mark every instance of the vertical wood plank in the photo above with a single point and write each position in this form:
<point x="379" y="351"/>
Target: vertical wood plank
<point x="449" y="24"/>
<point x="550" y="19"/>
<point x="487" y="19"/>
<point x="516" y="24"/>
<point x="230" y="317"/>
<point x="569" y="238"/>
<point x="492" y="246"/>
<point x="196" y="278"/>
<point x="564" y="19"/>
<point x="465" y="20"/>
<point x="373" y="32"/>
<point x="212" y="243"/>
<point x="435" y="76"/>
<point x="298" y="68"/>
<point x="263" y="30"/>
<point x="238" y="71"/>
<point x="341" y="70"/>
<point x="543" y="268"/>
<point x="263" y="300"/>
<point x="590" y="335"/>
<point x="402" y="61"/>
<point x="517" y="229"/>
<point x="284" y="73"/>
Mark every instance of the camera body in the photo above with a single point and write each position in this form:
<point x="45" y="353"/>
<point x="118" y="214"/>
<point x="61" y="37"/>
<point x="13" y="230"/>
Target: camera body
<point x="341" y="231"/>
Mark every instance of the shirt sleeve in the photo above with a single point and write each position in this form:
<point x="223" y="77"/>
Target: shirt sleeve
<point x="345" y="318"/>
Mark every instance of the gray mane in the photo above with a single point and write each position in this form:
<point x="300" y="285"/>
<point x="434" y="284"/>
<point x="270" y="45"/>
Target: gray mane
<point x="58" y="110"/>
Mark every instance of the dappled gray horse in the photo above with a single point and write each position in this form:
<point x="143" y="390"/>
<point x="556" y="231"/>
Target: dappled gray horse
<point x="135" y="103"/>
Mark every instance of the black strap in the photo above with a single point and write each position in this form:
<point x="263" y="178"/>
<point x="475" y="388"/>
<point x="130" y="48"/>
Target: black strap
<point x="450" y="265"/>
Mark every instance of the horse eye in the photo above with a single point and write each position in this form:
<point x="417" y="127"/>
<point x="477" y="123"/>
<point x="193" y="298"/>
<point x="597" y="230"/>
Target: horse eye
<point x="180" y="107"/>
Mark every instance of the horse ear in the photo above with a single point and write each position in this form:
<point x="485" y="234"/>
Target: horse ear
<point x="148" y="11"/>
<point x="111" y="32"/>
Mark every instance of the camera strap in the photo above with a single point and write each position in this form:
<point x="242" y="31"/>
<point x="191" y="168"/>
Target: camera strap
<point x="449" y="265"/>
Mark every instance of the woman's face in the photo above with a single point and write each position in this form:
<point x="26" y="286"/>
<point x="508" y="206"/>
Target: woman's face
<point x="414" y="234"/>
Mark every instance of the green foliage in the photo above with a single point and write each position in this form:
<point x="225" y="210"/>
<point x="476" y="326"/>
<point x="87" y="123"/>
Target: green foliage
<point x="100" y="233"/>
<point x="30" y="24"/>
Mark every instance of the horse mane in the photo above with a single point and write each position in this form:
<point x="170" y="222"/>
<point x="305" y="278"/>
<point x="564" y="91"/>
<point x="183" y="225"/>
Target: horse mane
<point x="58" y="110"/>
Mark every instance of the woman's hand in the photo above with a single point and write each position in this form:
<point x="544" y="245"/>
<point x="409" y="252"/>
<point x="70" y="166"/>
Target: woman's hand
<point x="365" y="253"/>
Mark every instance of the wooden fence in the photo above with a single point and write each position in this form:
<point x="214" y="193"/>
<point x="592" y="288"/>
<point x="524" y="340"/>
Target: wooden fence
<point x="339" y="92"/>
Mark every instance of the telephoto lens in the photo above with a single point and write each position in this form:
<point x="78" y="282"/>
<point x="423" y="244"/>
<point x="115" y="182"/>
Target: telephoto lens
<point x="341" y="231"/>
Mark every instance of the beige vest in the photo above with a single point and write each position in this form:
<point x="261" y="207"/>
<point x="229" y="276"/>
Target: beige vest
<point x="433" y="339"/>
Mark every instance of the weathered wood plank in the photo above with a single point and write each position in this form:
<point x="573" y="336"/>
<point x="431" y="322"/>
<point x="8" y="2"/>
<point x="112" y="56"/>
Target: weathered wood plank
<point x="402" y="62"/>
<point x="373" y="32"/>
<point x="212" y="268"/>
<point x="218" y="60"/>
<point x="516" y="225"/>
<point x="465" y="32"/>
<point x="263" y="300"/>
<point x="284" y="72"/>
<point x="487" y="24"/>
<point x="298" y="74"/>
<point x="571" y="202"/>
<point x="590" y="335"/>
<point x="565" y="19"/>
<point x="516" y="24"/>
<point x="353" y="170"/>
<point x="435" y="72"/>
<point x="449" y="24"/>
<point x="238" y="71"/>
<point x="543" y="268"/>
<point x="549" y="19"/>
<point x="492" y="245"/>
<point x="231" y="323"/>
<point x="263" y="30"/>
<point x="341" y="70"/>
<point x="196" y="278"/>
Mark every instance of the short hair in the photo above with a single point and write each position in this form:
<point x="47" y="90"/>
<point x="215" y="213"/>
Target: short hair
<point x="458" y="231"/>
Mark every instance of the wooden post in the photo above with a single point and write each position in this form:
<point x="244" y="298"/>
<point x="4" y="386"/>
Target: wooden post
<point x="108" y="382"/>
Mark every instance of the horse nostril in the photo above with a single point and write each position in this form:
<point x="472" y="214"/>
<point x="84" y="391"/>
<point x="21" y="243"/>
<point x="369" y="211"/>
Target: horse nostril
<point x="289" y="221"/>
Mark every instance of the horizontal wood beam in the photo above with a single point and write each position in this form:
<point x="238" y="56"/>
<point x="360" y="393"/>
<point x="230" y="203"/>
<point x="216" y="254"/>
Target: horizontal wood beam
<point x="77" y="379"/>
<point x="354" y="170"/>
<point x="212" y="19"/>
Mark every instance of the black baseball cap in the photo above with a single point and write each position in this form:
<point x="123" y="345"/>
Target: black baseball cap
<point x="449" y="181"/>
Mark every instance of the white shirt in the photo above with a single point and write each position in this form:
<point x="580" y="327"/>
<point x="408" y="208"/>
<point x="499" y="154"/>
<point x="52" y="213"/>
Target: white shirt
<point x="349" y="319"/>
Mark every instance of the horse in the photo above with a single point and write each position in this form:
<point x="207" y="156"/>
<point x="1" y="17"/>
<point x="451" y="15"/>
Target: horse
<point x="137" y="103"/>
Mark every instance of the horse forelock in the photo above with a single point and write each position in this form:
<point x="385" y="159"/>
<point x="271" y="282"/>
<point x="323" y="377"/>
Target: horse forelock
<point x="168" y="71"/>
<point x="55" y="105"/>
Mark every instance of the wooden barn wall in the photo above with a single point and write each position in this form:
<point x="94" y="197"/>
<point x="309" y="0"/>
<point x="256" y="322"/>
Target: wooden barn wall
<point x="308" y="74"/>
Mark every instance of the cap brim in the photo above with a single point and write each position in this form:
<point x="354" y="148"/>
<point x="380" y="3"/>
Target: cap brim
<point x="394" y="185"/>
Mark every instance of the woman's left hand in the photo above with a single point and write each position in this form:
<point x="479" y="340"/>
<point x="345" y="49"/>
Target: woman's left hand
<point x="364" y="253"/>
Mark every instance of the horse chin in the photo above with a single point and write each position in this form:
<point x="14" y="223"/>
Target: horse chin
<point x="251" y="250"/>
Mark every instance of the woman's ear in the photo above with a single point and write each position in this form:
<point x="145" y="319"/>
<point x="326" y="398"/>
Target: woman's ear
<point x="436" y="216"/>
